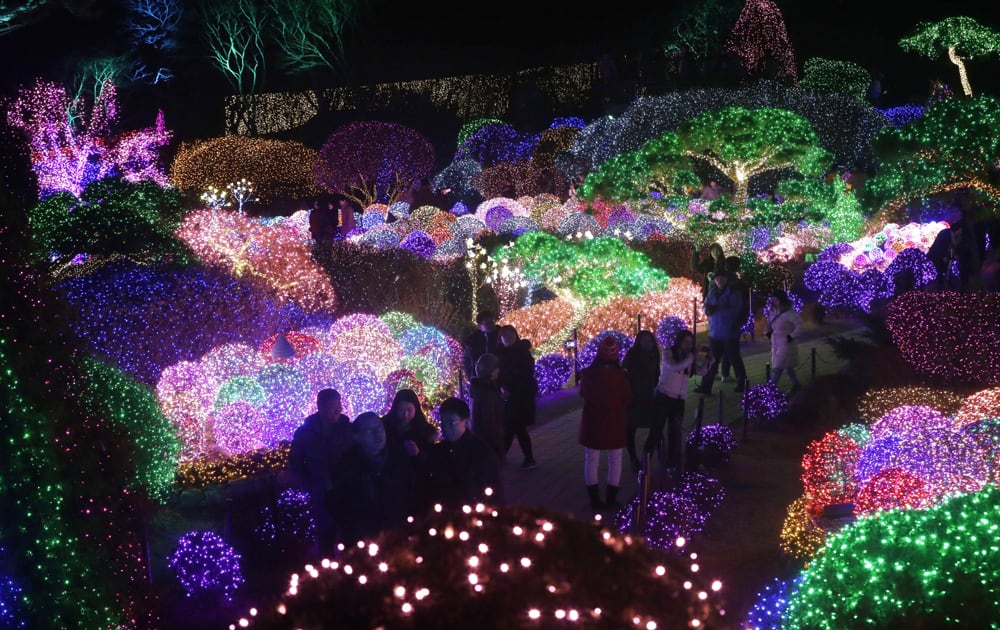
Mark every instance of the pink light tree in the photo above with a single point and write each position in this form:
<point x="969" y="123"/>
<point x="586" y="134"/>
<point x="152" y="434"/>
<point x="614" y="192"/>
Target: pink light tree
<point x="71" y="146"/>
<point x="759" y="36"/>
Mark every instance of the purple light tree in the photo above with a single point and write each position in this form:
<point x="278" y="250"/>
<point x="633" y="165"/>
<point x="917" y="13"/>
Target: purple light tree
<point x="71" y="147"/>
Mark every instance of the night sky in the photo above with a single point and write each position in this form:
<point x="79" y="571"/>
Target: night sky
<point x="407" y="40"/>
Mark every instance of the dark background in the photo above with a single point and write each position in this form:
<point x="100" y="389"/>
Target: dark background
<point x="395" y="41"/>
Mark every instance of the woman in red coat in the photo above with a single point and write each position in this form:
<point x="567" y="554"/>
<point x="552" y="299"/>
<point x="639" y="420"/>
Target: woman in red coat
<point x="606" y="394"/>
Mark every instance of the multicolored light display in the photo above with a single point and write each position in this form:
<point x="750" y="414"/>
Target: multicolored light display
<point x="204" y="563"/>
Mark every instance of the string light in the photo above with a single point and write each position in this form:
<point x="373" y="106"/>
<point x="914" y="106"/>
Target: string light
<point x="278" y="168"/>
<point x="204" y="563"/>
<point x="878" y="401"/>
<point x="759" y="35"/>
<point x="522" y="555"/>
<point x="931" y="565"/>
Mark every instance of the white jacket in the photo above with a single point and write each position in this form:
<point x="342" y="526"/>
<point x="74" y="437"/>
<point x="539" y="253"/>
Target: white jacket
<point x="784" y="354"/>
<point x="674" y="375"/>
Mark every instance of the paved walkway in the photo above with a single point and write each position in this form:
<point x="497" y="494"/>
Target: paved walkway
<point x="741" y="539"/>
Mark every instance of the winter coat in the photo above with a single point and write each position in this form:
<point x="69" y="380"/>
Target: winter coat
<point x="316" y="449"/>
<point x="487" y="413"/>
<point x="727" y="319"/>
<point x="460" y="472"/>
<point x="674" y="375"/>
<point x="606" y="396"/>
<point x="476" y="344"/>
<point x="517" y="377"/>
<point x="643" y="371"/>
<point x="781" y="326"/>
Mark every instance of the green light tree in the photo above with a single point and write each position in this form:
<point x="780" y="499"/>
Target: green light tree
<point x="701" y="26"/>
<point x="746" y="143"/>
<point x="960" y="37"/>
<point x="841" y="77"/>
<point x="953" y="146"/>
<point x="309" y="33"/>
<point x="234" y="31"/>
<point x="658" y="166"/>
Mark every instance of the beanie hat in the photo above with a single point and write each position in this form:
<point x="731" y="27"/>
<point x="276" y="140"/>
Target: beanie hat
<point x="486" y="364"/>
<point x="609" y="349"/>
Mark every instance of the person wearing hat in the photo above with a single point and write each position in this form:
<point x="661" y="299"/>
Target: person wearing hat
<point x="606" y="393"/>
<point x="725" y="309"/>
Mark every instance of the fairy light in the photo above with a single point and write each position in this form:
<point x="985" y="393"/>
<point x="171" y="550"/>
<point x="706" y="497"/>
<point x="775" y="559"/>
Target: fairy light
<point x="828" y="471"/>
<point x="770" y="604"/>
<point x="287" y="522"/>
<point x="948" y="335"/>
<point x="764" y="403"/>
<point x="278" y="168"/>
<point x="984" y="404"/>
<point x="878" y="401"/>
<point x="759" y="35"/>
<point x="552" y="371"/>
<point x="275" y="258"/>
<point x="950" y="572"/>
<point x="72" y="145"/>
<point x="203" y="562"/>
<point x="801" y="537"/>
<point x="716" y="442"/>
<point x="531" y="568"/>
<point x="480" y="96"/>
<point x="830" y="75"/>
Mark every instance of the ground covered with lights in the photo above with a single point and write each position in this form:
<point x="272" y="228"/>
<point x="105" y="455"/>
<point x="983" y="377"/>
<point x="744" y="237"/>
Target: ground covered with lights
<point x="169" y="315"/>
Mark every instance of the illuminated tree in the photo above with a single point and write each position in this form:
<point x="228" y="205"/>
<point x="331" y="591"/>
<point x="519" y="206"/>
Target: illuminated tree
<point x="746" y="143"/>
<point x="95" y="73"/>
<point x="960" y="37"/>
<point x="843" y="77"/>
<point x="496" y="142"/>
<point x="309" y="33"/>
<point x="234" y="32"/>
<point x="953" y="146"/>
<point x="700" y="26"/>
<point x="277" y="168"/>
<point x="15" y="15"/>
<point x="71" y="147"/>
<point x="373" y="161"/>
<point x="759" y="38"/>
<point x="658" y="166"/>
<point x="153" y="27"/>
<point x="111" y="218"/>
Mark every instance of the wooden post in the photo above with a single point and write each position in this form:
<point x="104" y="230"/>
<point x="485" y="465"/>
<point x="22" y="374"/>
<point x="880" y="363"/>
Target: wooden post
<point x="576" y="365"/>
<point x="694" y="317"/>
<point x="743" y="405"/>
<point x="720" y="406"/>
<point x="812" y="360"/>
<point x="645" y="488"/>
<point x="638" y="322"/>
<point x="767" y="372"/>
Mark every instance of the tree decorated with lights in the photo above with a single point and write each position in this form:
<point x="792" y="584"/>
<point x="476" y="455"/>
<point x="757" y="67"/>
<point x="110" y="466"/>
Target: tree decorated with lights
<point x="111" y="218"/>
<point x="700" y="26"/>
<point x="234" y="32"/>
<point x="953" y="146"/>
<point x="72" y="147"/>
<point x="746" y="143"/>
<point x="593" y="270"/>
<point x="310" y="33"/>
<point x="153" y="27"/>
<point x="759" y="37"/>
<point x="959" y="37"/>
<point x="916" y="568"/>
<point x="658" y="166"/>
<point x="373" y="161"/>
<point x="279" y="169"/>
<point x="830" y="75"/>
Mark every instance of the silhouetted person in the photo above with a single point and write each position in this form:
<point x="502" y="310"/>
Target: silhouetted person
<point x="463" y="469"/>
<point x="317" y="447"/>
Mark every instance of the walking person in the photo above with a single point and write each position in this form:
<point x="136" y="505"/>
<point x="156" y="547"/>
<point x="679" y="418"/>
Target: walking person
<point x="519" y="389"/>
<point x="680" y="363"/>
<point x="724" y="307"/>
<point x="485" y="339"/>
<point x="783" y="327"/>
<point x="642" y="364"/>
<point x="606" y="395"/>
<point x="463" y="469"/>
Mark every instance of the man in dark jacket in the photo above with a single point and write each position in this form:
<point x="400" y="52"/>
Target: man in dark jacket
<point x="375" y="487"/>
<point x="464" y="470"/>
<point x="317" y="447"/>
<point x="726" y="312"/>
<point x="519" y="388"/>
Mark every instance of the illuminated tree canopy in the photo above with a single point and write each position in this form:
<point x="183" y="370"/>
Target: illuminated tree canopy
<point x="954" y="145"/>
<point x="373" y="161"/>
<point x="701" y="25"/>
<point x="745" y="143"/>
<point x="960" y="38"/>
<point x="759" y="38"/>
<point x="276" y="168"/>
<point x="309" y="33"/>
<point x="829" y="75"/>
